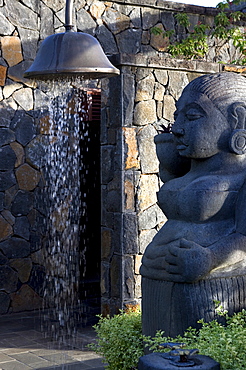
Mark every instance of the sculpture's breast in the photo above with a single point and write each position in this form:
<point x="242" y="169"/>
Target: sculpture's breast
<point x="198" y="201"/>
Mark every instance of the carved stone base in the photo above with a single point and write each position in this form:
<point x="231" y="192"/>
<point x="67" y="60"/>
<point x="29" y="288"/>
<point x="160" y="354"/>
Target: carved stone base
<point x="173" y="307"/>
<point x="155" y="361"/>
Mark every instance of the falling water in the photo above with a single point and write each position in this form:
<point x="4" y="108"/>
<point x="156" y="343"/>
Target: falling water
<point x="66" y="204"/>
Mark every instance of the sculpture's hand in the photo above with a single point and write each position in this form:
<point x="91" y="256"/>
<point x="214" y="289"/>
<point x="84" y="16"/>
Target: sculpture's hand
<point x="188" y="262"/>
<point x="154" y="261"/>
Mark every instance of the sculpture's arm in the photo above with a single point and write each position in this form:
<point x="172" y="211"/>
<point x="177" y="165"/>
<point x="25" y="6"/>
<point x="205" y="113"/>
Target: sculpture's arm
<point x="191" y="262"/>
<point x="171" y="163"/>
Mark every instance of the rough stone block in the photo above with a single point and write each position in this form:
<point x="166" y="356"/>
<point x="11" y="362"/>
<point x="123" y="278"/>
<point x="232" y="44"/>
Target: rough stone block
<point x="24" y="128"/>
<point x="6" y="136"/>
<point x="115" y="276"/>
<point x="7" y="180"/>
<point x="5" y="229"/>
<point x="161" y="76"/>
<point x="22" y="227"/>
<point x="123" y="38"/>
<point x="150" y="17"/>
<point x="22" y="203"/>
<point x="168" y="108"/>
<point x="16" y="72"/>
<point x="8" y="217"/>
<point x="145" y="237"/>
<point x="25" y="299"/>
<point x="147" y="150"/>
<point x="3" y="259"/>
<point x="128" y="98"/>
<point x="1" y="201"/>
<point x="8" y="108"/>
<point x="116" y="21"/>
<point x="146" y="196"/>
<point x="23" y="266"/>
<point x="177" y="82"/>
<point x="27" y="177"/>
<point x="6" y="27"/>
<point x="159" y="110"/>
<point x="117" y="233"/>
<point x="129" y="281"/>
<point x="35" y="152"/>
<point x="105" y="281"/>
<point x="107" y="169"/>
<point x="114" y="113"/>
<point x="55" y="4"/>
<point x="20" y="15"/>
<point x="4" y="302"/>
<point x="129" y="191"/>
<point x="106" y="39"/>
<point x="7" y="158"/>
<point x="138" y="290"/>
<point x="145" y="112"/>
<point x="46" y="26"/>
<point x="114" y="194"/>
<point x="137" y="263"/>
<point x="19" y="152"/>
<point x="157" y="41"/>
<point x="41" y="201"/>
<point x="15" y="247"/>
<point x="145" y="88"/>
<point x="35" y="240"/>
<point x="130" y="233"/>
<point x="145" y="37"/>
<point x="11" y="48"/>
<point x="106" y="237"/>
<point x="3" y="71"/>
<point x="142" y="73"/>
<point x="9" y="279"/>
<point x="24" y="97"/>
<point x="168" y="20"/>
<point x="159" y="91"/>
<point x="130" y="148"/>
<point x="150" y="218"/>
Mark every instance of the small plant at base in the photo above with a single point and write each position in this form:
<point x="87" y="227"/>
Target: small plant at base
<point x="224" y="343"/>
<point x="121" y="343"/>
<point x="120" y="340"/>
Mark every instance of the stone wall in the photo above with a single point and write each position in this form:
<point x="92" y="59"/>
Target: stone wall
<point x="135" y="104"/>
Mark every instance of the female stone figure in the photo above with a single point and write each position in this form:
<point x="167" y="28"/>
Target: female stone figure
<point x="199" y="255"/>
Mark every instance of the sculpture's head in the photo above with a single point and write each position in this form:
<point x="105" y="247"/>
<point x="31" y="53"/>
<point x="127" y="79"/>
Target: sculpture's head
<point x="211" y="116"/>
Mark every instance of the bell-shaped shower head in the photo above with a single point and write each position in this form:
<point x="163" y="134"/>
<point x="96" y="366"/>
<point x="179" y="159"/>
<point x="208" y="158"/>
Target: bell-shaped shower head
<point x="71" y="54"/>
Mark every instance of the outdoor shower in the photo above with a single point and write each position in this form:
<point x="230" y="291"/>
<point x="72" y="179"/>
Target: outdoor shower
<point x="63" y="61"/>
<point x="70" y="54"/>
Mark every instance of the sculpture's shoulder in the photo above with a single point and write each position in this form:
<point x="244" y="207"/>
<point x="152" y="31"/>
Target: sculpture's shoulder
<point x="221" y="181"/>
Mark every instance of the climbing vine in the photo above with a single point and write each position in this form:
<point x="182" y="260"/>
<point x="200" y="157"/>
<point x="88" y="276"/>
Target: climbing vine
<point x="196" y="44"/>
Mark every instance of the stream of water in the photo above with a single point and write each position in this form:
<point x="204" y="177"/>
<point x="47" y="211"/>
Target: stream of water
<point x="65" y="205"/>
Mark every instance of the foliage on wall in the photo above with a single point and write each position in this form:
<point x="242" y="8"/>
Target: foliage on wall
<point x="227" y="28"/>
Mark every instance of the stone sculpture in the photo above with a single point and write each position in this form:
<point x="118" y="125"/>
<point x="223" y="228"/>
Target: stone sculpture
<point x="199" y="255"/>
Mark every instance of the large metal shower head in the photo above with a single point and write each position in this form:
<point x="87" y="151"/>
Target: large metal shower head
<point x="70" y="54"/>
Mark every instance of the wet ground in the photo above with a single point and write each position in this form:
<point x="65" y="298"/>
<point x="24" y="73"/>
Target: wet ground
<point x="24" y="345"/>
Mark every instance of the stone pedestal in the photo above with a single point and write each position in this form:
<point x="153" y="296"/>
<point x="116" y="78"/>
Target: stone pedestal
<point x="173" y="307"/>
<point x="157" y="361"/>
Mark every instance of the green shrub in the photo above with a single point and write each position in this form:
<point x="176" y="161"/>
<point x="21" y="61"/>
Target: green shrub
<point x="120" y="342"/>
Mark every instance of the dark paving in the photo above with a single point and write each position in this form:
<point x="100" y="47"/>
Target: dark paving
<point x="24" y="345"/>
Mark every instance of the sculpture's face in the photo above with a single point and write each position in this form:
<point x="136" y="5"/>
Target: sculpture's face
<point x="201" y="130"/>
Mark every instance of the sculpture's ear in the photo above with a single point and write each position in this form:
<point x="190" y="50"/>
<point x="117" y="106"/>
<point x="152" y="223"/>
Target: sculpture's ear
<point x="237" y="117"/>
